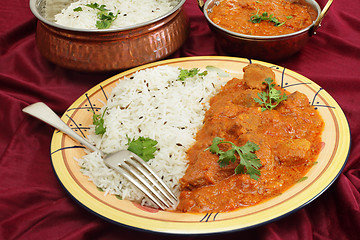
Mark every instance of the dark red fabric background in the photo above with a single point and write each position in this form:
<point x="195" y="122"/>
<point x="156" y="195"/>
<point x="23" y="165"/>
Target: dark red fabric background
<point x="33" y="205"/>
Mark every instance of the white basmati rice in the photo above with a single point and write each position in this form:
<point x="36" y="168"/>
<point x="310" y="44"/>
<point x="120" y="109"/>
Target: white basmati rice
<point x="151" y="103"/>
<point x="130" y="12"/>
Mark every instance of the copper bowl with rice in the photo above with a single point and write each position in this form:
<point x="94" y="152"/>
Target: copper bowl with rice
<point x="120" y="48"/>
<point x="264" y="47"/>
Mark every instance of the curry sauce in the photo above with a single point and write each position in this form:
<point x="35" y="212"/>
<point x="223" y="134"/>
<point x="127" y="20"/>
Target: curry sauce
<point x="289" y="137"/>
<point x="263" y="17"/>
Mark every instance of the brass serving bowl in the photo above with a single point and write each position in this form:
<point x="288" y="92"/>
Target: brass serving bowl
<point x="267" y="48"/>
<point x="109" y="49"/>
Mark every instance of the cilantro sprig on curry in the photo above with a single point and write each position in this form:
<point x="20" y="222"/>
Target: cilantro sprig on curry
<point x="249" y="163"/>
<point x="270" y="98"/>
<point x="257" y="18"/>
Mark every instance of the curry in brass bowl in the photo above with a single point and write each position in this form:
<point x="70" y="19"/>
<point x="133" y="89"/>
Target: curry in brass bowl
<point x="265" y="30"/>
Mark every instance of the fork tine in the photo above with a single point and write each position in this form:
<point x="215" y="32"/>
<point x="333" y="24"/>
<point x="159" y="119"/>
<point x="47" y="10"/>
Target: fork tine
<point x="117" y="166"/>
<point x="145" y="183"/>
<point x="141" y="183"/>
<point x="143" y="177"/>
<point x="153" y="178"/>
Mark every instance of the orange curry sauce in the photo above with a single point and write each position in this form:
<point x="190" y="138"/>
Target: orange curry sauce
<point x="289" y="138"/>
<point x="234" y="15"/>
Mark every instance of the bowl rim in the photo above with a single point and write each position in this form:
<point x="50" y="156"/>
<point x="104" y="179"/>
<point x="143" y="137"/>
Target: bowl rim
<point x="257" y="37"/>
<point x="35" y="4"/>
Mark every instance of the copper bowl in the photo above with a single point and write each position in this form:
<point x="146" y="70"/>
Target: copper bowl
<point x="109" y="49"/>
<point x="267" y="48"/>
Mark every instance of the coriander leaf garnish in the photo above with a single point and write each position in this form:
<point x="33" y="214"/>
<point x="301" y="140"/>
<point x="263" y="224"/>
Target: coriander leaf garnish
<point x="105" y="20"/>
<point x="78" y="9"/>
<point x="185" y="73"/>
<point x="105" y="17"/>
<point x="97" y="6"/>
<point x="249" y="162"/>
<point x="270" y="98"/>
<point x="143" y="147"/>
<point x="257" y="18"/>
<point x="98" y="121"/>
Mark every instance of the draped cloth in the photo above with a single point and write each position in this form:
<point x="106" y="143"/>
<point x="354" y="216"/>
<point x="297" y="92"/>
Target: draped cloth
<point x="33" y="205"/>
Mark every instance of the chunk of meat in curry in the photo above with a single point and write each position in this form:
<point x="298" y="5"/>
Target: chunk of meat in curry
<point x="289" y="138"/>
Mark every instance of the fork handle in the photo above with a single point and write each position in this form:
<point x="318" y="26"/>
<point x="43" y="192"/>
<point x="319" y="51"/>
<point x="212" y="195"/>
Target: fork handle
<point x="41" y="111"/>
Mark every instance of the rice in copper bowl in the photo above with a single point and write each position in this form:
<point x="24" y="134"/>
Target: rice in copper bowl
<point x="86" y="14"/>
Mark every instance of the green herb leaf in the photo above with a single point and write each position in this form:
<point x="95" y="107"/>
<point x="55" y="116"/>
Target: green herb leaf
<point x="105" y="17"/>
<point x="98" y="121"/>
<point x="92" y="5"/>
<point x="270" y="98"/>
<point x="249" y="163"/>
<point x="97" y="6"/>
<point x="143" y="147"/>
<point x="185" y="73"/>
<point x="256" y="18"/>
<point x="78" y="9"/>
<point x="105" y="20"/>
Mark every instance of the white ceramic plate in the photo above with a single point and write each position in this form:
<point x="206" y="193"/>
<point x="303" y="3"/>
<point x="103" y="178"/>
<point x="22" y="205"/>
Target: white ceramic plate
<point x="331" y="161"/>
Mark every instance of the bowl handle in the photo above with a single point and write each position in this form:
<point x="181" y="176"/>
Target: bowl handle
<point x="317" y="23"/>
<point x="201" y="4"/>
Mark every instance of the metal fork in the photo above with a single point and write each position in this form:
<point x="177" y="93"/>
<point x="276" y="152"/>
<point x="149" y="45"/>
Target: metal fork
<point x="128" y="164"/>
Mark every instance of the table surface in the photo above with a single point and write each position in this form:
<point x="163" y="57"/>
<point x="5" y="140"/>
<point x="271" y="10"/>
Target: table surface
<point x="33" y="205"/>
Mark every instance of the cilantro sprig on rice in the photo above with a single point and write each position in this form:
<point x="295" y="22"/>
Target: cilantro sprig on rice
<point x="106" y="18"/>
